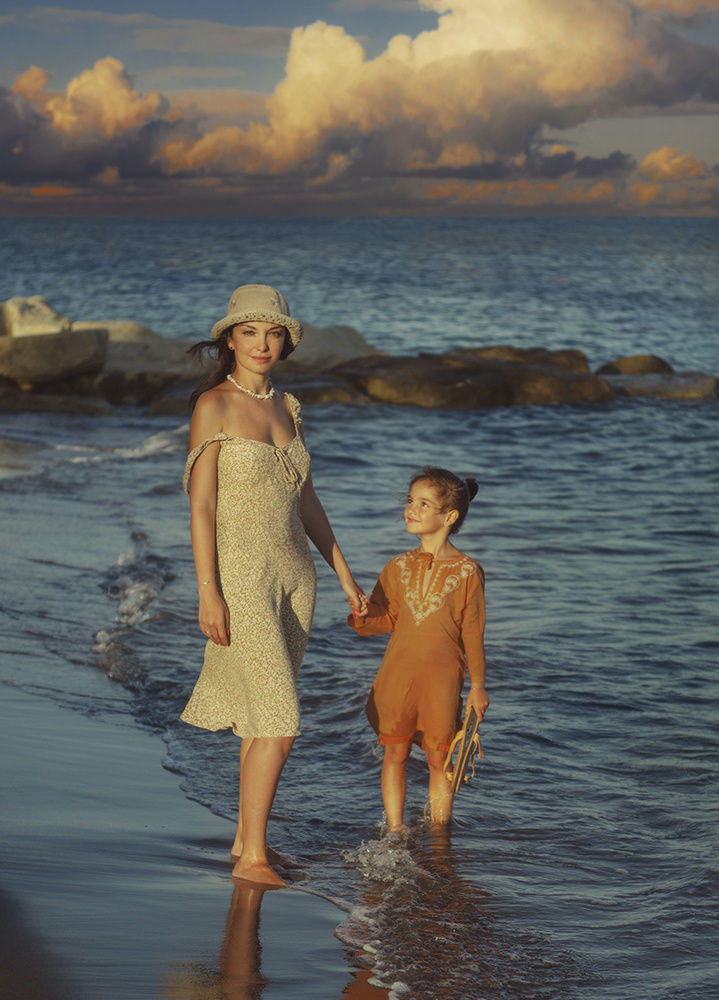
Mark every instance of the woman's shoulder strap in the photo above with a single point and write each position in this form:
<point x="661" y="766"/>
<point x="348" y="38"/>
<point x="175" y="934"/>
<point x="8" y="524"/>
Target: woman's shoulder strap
<point x="294" y="405"/>
<point x="195" y="454"/>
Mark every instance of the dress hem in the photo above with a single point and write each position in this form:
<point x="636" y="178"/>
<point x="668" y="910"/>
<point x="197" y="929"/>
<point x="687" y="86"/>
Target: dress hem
<point x="424" y="745"/>
<point x="231" y="725"/>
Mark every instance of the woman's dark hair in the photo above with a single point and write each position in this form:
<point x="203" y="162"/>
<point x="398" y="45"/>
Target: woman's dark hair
<point x="454" y="493"/>
<point x="225" y="358"/>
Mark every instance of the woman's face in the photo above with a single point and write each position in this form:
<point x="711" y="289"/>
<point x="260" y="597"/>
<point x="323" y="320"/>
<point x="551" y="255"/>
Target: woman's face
<point x="257" y="345"/>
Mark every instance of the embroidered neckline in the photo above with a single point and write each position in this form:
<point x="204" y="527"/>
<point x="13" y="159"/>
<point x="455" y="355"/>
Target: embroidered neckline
<point x="418" y="553"/>
<point x="423" y="605"/>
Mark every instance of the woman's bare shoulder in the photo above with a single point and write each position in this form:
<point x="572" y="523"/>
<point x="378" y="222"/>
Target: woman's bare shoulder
<point x="208" y="416"/>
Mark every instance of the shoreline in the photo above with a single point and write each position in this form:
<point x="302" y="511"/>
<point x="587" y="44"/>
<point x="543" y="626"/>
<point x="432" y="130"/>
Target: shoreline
<point x="116" y="886"/>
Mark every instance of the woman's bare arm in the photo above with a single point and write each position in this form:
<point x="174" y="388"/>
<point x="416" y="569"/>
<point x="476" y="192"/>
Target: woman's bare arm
<point x="319" y="530"/>
<point x="214" y="616"/>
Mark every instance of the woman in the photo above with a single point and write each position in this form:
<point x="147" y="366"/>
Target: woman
<point x="252" y="507"/>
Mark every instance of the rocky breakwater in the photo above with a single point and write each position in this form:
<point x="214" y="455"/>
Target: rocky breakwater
<point x="470" y="378"/>
<point x="49" y="363"/>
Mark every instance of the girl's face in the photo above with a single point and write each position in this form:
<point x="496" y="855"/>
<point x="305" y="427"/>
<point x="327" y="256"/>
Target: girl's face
<point x="423" y="512"/>
<point x="257" y="345"/>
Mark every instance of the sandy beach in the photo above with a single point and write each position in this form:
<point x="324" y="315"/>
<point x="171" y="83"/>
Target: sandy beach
<point x="114" y="885"/>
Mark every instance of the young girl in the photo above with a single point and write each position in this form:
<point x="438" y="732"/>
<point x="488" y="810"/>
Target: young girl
<point x="432" y="601"/>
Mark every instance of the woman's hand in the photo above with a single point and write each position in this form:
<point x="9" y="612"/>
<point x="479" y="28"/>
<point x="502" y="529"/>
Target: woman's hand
<point x="356" y="597"/>
<point x="214" y="617"/>
<point x="478" y="699"/>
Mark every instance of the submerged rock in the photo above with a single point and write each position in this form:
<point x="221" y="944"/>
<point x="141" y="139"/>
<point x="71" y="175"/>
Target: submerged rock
<point x="636" y="364"/>
<point x="569" y="358"/>
<point x="688" y="385"/>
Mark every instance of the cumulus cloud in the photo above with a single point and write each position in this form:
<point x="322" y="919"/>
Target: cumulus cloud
<point x="31" y="83"/>
<point x="461" y="113"/>
<point x="669" y="164"/>
<point x="490" y="77"/>
<point x="102" y="99"/>
<point x="100" y="120"/>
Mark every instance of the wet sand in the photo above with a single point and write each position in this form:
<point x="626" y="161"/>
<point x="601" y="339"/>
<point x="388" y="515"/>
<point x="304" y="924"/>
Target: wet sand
<point x="115" y="886"/>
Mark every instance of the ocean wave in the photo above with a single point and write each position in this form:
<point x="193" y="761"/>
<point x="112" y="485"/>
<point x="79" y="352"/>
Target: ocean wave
<point x="163" y="442"/>
<point x="133" y="584"/>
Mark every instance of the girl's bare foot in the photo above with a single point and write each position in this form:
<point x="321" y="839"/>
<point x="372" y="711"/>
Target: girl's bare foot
<point x="258" y="872"/>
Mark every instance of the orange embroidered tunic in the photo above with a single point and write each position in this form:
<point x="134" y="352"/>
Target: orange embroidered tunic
<point x="434" y="610"/>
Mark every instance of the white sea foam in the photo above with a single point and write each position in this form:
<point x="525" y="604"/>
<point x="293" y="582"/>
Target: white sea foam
<point x="134" y="583"/>
<point x="385" y="860"/>
<point x="156" y="444"/>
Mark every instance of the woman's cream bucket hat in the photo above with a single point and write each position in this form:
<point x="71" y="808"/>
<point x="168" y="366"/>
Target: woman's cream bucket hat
<point x="259" y="302"/>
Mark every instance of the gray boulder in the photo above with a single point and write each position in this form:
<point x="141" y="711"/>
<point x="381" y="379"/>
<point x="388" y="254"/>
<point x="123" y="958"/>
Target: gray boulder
<point x="323" y="347"/>
<point x="30" y="317"/>
<point x="31" y="360"/>
<point x="121" y="330"/>
<point x="140" y="364"/>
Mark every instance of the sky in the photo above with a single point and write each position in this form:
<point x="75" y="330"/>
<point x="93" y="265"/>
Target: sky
<point x="360" y="107"/>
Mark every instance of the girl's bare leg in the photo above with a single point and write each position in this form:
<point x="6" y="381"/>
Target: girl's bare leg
<point x="394" y="782"/>
<point x="440" y="790"/>
<point x="261" y="769"/>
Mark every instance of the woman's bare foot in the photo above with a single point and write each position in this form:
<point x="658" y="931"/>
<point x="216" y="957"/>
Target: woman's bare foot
<point x="258" y="872"/>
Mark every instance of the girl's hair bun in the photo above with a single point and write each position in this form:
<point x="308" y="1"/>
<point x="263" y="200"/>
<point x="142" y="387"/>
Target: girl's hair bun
<point x="472" y="487"/>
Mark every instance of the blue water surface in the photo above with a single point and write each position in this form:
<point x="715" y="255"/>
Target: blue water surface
<point x="582" y="861"/>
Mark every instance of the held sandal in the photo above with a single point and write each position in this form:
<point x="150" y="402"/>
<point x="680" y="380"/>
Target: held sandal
<point x="468" y="746"/>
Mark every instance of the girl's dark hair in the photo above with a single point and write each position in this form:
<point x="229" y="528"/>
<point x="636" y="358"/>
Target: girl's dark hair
<point x="454" y="493"/>
<point x="225" y="358"/>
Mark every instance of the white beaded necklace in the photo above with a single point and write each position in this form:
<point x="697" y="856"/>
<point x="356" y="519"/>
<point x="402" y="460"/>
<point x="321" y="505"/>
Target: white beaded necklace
<point x="256" y="395"/>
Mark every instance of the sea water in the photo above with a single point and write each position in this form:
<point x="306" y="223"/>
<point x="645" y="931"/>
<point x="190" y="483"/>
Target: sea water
<point x="582" y="859"/>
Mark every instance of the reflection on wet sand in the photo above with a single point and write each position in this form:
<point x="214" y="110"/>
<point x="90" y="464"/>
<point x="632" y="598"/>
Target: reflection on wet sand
<point x="239" y="976"/>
